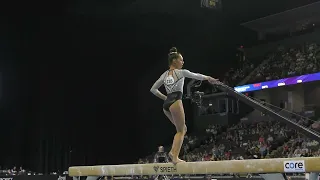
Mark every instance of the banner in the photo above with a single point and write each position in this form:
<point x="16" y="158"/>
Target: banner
<point x="278" y="83"/>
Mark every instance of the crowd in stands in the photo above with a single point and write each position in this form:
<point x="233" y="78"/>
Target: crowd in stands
<point x="285" y="62"/>
<point x="236" y="75"/>
<point x="13" y="171"/>
<point x="248" y="140"/>
<point x="292" y="61"/>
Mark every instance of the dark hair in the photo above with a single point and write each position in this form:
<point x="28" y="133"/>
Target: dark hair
<point x="173" y="54"/>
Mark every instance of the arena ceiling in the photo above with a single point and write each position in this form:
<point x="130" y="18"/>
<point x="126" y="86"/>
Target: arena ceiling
<point x="288" y="19"/>
<point x="240" y="11"/>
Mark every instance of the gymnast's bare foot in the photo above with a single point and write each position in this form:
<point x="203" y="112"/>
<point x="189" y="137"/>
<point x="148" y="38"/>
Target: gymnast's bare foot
<point x="176" y="161"/>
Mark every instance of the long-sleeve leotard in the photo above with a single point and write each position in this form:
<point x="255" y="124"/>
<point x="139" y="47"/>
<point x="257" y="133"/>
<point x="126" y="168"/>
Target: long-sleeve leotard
<point x="174" y="82"/>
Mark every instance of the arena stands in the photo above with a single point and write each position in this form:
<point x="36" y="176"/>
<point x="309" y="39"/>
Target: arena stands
<point x="284" y="62"/>
<point x="291" y="61"/>
<point x="247" y="140"/>
<point x="22" y="174"/>
<point x="13" y="171"/>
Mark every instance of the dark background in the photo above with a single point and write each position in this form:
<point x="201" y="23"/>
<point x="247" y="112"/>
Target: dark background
<point x="76" y="74"/>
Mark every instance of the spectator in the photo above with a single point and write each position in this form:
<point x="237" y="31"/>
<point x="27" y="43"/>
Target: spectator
<point x="270" y="139"/>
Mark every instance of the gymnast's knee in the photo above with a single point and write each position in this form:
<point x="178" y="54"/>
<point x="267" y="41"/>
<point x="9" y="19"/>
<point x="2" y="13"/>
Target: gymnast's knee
<point x="182" y="130"/>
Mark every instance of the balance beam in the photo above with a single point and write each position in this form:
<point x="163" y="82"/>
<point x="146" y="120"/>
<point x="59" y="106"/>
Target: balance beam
<point x="305" y="164"/>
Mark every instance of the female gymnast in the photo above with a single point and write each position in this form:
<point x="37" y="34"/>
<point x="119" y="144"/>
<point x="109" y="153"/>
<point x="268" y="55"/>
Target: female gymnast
<point x="173" y="81"/>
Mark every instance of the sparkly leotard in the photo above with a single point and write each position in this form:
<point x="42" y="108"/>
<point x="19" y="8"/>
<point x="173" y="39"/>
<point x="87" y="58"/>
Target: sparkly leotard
<point x="174" y="84"/>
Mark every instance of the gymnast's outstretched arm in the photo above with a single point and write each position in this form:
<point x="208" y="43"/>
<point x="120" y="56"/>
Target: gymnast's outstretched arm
<point x="155" y="89"/>
<point x="197" y="76"/>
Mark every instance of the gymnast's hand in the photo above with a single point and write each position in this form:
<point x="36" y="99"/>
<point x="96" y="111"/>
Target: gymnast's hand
<point x="213" y="80"/>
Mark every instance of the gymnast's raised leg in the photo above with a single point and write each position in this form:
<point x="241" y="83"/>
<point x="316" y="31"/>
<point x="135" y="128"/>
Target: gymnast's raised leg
<point x="177" y="117"/>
